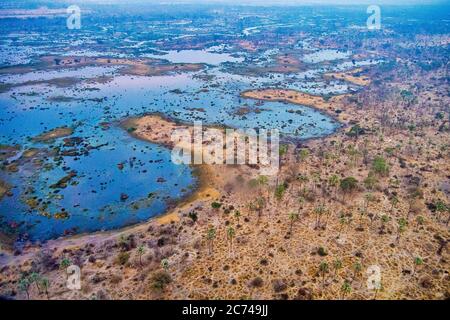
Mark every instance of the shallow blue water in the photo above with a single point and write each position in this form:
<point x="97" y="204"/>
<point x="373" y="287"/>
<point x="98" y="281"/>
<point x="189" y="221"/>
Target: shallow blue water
<point x="93" y="202"/>
<point x="149" y="179"/>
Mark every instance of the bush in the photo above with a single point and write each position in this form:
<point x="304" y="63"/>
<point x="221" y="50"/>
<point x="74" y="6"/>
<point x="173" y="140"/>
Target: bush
<point x="349" y="184"/>
<point x="356" y="131"/>
<point x="216" y="205"/>
<point x="371" y="181"/>
<point x="65" y="263"/>
<point x="123" y="257"/>
<point x="256" y="282"/>
<point x="379" y="166"/>
<point x="279" y="285"/>
<point x="127" y="243"/>
<point x="193" y="215"/>
<point x="160" y="280"/>
<point x="322" y="252"/>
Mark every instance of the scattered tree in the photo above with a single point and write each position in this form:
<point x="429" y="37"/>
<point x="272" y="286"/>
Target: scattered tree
<point x="380" y="166"/>
<point x="293" y="217"/>
<point x="165" y="264"/>
<point x="337" y="264"/>
<point x="230" y="235"/>
<point x="323" y="268"/>
<point x="24" y="286"/>
<point x="211" y="235"/>
<point x="346" y="289"/>
<point x="348" y="185"/>
<point x="140" y="251"/>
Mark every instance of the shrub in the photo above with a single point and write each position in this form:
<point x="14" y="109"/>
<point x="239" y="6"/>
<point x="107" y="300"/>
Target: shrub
<point x="216" y="205"/>
<point x="127" y="243"/>
<point x="279" y="285"/>
<point x="322" y="252"/>
<point x="379" y="166"/>
<point x="356" y="131"/>
<point x="193" y="215"/>
<point x="371" y="181"/>
<point x="349" y="184"/>
<point x="123" y="257"/>
<point x="256" y="282"/>
<point x="283" y="149"/>
<point x="280" y="189"/>
<point x="65" y="263"/>
<point x="160" y="280"/>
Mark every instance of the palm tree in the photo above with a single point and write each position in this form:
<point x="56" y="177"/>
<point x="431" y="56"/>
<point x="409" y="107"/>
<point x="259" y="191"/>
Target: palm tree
<point x="263" y="183"/>
<point x="343" y="220"/>
<point x="384" y="220"/>
<point x="353" y="155"/>
<point x="323" y="268"/>
<point x="362" y="212"/>
<point x="319" y="211"/>
<point x="368" y="198"/>
<point x="315" y="179"/>
<point x="337" y="264"/>
<point x="165" y="264"/>
<point x="300" y="200"/>
<point x="280" y="190"/>
<point x="346" y="288"/>
<point x="24" y="286"/>
<point x="35" y="278"/>
<point x="440" y="208"/>
<point x="140" y="251"/>
<point x="394" y="201"/>
<point x="293" y="216"/>
<point x="210" y="235"/>
<point x="257" y="205"/>
<point x="402" y="223"/>
<point x="333" y="181"/>
<point x="365" y="151"/>
<point x="357" y="267"/>
<point x="45" y="284"/>
<point x="230" y="235"/>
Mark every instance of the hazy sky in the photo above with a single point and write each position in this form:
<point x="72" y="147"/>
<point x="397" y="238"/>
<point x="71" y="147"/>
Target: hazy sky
<point x="265" y="2"/>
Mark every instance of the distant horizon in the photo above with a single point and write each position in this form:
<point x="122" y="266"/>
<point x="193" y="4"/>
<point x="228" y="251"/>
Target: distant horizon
<point x="238" y="2"/>
<point x="273" y="2"/>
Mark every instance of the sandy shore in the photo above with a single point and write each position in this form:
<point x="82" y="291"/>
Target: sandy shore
<point x="352" y="76"/>
<point x="331" y="106"/>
